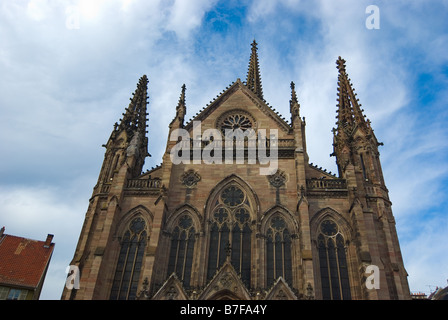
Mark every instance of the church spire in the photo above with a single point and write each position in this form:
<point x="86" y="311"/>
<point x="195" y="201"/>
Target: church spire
<point x="351" y="124"/>
<point x="134" y="119"/>
<point x="253" y="80"/>
<point x="349" y="113"/>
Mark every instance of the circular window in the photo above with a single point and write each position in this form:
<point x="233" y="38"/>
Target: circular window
<point x="232" y="196"/>
<point x="234" y="120"/>
<point x="185" y="222"/>
<point x="329" y="228"/>
<point x="137" y="225"/>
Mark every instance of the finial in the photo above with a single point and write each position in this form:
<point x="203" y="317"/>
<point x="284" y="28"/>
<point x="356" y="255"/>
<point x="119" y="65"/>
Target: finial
<point x="340" y="64"/>
<point x="293" y="92"/>
<point x="254" y="44"/>
<point x="182" y="95"/>
<point x="294" y="106"/>
<point x="181" y="108"/>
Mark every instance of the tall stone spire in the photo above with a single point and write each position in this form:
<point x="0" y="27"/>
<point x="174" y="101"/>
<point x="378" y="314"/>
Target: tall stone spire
<point x="134" y="119"/>
<point x="349" y="113"/>
<point x="132" y="128"/>
<point x="353" y="135"/>
<point x="253" y="80"/>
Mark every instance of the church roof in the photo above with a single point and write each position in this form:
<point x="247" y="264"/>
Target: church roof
<point x="238" y="85"/>
<point x="252" y="88"/>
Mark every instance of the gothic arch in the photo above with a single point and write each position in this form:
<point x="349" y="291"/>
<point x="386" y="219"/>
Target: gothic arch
<point x="225" y="294"/>
<point x="331" y="237"/>
<point x="230" y="214"/>
<point x="280" y="247"/>
<point x="236" y="180"/>
<point x="139" y="210"/>
<point x="133" y="238"/>
<point x="181" y="243"/>
<point x="329" y="213"/>
<point x="282" y="211"/>
<point x="179" y="211"/>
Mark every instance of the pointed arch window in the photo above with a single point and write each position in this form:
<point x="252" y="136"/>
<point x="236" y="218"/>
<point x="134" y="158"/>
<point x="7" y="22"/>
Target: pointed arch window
<point x="278" y="251"/>
<point x="333" y="262"/>
<point x="230" y="229"/>
<point x="182" y="249"/>
<point x="127" y="272"/>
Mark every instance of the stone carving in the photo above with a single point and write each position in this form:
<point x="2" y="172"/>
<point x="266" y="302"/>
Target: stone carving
<point x="277" y="179"/>
<point x="190" y="178"/>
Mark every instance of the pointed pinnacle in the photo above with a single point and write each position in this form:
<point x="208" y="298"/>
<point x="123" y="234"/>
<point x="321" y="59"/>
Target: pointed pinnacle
<point x="340" y="65"/>
<point x="253" y="80"/>
<point x="293" y="93"/>
<point x="182" y="96"/>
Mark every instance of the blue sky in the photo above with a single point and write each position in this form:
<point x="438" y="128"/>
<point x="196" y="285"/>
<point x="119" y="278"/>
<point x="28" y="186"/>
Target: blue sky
<point x="68" y="69"/>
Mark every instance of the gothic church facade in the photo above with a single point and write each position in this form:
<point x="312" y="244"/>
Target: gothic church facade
<point x="195" y="230"/>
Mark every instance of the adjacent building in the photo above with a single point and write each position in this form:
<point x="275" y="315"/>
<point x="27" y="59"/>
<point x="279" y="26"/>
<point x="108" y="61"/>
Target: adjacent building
<point x="23" y="266"/>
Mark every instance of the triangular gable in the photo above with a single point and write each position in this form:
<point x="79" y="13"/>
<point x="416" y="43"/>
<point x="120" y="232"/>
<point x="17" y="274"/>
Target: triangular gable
<point x="172" y="289"/>
<point x="226" y="94"/>
<point x="280" y="291"/>
<point x="225" y="285"/>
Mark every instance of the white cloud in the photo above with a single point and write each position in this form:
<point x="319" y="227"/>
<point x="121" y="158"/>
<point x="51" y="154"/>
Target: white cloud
<point x="184" y="16"/>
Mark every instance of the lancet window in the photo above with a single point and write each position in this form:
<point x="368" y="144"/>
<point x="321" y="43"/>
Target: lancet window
<point x="278" y="251"/>
<point x="130" y="259"/>
<point x="183" y="239"/>
<point x="230" y="232"/>
<point x="333" y="262"/>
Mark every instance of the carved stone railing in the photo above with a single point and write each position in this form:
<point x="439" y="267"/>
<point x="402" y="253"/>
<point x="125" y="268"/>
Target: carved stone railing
<point x="333" y="188"/>
<point x="326" y="184"/>
<point x="144" y="184"/>
<point x="285" y="147"/>
<point x="246" y="143"/>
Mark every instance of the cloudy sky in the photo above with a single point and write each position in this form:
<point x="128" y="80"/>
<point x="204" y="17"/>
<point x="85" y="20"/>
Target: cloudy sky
<point x="68" y="69"/>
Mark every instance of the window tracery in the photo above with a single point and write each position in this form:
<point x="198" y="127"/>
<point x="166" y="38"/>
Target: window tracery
<point x="333" y="262"/>
<point x="130" y="259"/>
<point x="230" y="228"/>
<point x="278" y="251"/>
<point x="182" y="248"/>
<point x="235" y="119"/>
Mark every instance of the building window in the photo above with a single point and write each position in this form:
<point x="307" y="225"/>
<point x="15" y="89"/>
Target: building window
<point x="7" y="293"/>
<point x="182" y="248"/>
<point x="230" y="233"/>
<point x="333" y="262"/>
<point x="234" y="120"/>
<point x="278" y="251"/>
<point x="130" y="260"/>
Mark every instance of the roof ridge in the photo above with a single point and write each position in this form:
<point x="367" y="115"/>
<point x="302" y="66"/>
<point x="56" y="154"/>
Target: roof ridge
<point x="312" y="165"/>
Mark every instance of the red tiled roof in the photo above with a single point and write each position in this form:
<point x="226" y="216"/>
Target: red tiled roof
<point x="23" y="261"/>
